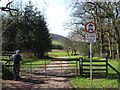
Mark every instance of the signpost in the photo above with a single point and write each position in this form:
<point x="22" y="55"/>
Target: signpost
<point x="90" y="37"/>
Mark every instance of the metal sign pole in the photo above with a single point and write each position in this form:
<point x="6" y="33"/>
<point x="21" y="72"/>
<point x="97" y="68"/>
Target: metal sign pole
<point x="0" y="50"/>
<point x="90" y="27"/>
<point x="90" y="60"/>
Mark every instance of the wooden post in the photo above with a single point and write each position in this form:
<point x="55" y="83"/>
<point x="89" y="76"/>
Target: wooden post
<point x="45" y="68"/>
<point x="107" y="64"/>
<point x="76" y="67"/>
<point x="9" y="62"/>
<point x="61" y="67"/>
<point x="31" y="68"/>
<point x="81" y="66"/>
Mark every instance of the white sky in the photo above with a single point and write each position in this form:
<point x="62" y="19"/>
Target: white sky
<point x="55" y="12"/>
<point x="57" y="16"/>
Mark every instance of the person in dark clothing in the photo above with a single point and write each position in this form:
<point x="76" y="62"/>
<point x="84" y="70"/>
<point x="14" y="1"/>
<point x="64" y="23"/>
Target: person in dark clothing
<point x="16" y="66"/>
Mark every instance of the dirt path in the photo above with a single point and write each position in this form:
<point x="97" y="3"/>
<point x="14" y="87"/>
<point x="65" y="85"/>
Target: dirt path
<point x="40" y="80"/>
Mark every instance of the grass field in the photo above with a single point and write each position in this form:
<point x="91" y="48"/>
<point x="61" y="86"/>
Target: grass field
<point x="57" y="53"/>
<point x="56" y="43"/>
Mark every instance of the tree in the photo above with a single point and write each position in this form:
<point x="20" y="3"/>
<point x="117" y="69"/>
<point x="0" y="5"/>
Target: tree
<point x="67" y="45"/>
<point x="106" y="16"/>
<point x="71" y="43"/>
<point x="5" y="23"/>
<point x="33" y="33"/>
<point x="9" y="34"/>
<point x="29" y="31"/>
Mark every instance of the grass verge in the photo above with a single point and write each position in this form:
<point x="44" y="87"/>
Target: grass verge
<point x="82" y="82"/>
<point x="100" y="80"/>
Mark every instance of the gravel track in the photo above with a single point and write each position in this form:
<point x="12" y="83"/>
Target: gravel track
<point x="52" y="78"/>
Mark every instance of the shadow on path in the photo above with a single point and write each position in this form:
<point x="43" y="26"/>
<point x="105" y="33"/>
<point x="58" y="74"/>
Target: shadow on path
<point x="49" y="74"/>
<point x="32" y="81"/>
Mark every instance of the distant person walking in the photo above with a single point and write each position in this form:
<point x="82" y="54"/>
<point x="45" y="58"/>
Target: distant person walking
<point x="16" y="66"/>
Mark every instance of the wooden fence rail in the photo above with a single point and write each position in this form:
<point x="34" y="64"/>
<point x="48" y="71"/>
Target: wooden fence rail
<point x="113" y="68"/>
<point x="100" y="68"/>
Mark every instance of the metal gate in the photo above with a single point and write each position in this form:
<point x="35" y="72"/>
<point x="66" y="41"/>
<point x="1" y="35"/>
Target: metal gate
<point x="54" y="67"/>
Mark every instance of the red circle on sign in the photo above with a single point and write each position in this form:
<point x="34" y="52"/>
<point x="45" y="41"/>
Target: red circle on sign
<point x="91" y="24"/>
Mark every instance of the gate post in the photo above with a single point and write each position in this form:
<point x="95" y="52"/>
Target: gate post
<point x="107" y="57"/>
<point x="107" y="64"/>
<point x="81" y="66"/>
<point x="45" y="69"/>
<point x="31" y="68"/>
<point x="76" y="67"/>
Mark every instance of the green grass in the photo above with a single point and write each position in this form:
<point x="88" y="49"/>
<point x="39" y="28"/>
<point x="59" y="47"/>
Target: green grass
<point x="37" y="63"/>
<point x="33" y="65"/>
<point x="81" y="82"/>
<point x="4" y="57"/>
<point x="56" y="43"/>
<point x="57" y="53"/>
<point x="99" y="81"/>
<point x="114" y="63"/>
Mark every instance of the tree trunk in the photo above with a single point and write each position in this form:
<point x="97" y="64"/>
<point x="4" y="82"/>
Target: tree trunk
<point x="75" y="52"/>
<point x="68" y="52"/>
<point x="72" y="52"/>
<point x="0" y="35"/>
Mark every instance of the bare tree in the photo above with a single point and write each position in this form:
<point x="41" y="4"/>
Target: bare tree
<point x="6" y="9"/>
<point x="107" y="17"/>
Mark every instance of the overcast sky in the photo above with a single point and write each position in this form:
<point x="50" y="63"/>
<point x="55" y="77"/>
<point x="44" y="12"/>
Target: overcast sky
<point x="55" y="12"/>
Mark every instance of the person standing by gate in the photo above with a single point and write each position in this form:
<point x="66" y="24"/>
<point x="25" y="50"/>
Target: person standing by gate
<point x="16" y="66"/>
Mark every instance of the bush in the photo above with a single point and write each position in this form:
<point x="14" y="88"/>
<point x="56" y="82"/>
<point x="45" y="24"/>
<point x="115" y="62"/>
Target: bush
<point x="6" y="73"/>
<point x="60" y="47"/>
<point x="57" y="45"/>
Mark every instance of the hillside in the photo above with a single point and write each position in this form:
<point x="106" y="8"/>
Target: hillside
<point x="57" y="38"/>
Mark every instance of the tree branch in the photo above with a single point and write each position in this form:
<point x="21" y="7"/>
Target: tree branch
<point x="8" y="9"/>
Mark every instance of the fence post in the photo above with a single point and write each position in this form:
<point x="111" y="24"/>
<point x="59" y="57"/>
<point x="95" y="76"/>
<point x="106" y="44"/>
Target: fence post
<point x="76" y="67"/>
<point x="81" y="66"/>
<point x="31" y="68"/>
<point x="107" y="64"/>
<point x="61" y="68"/>
<point x="45" y="69"/>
